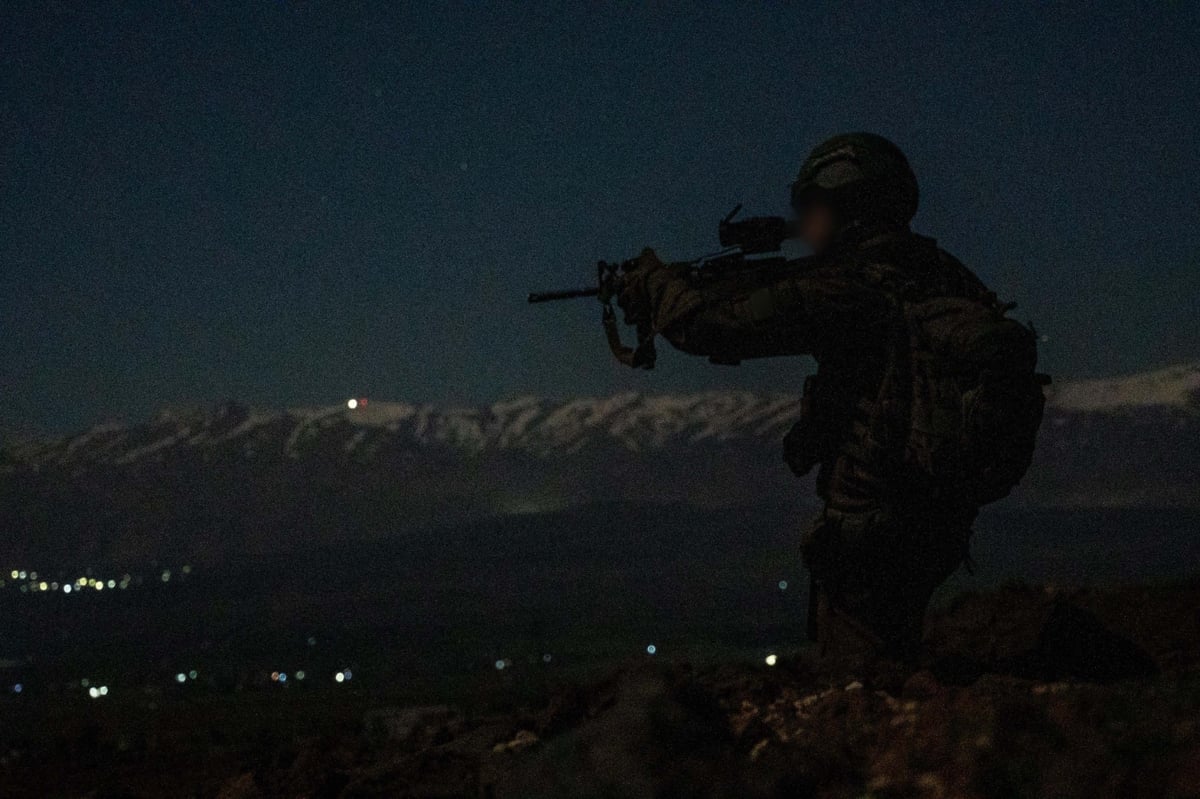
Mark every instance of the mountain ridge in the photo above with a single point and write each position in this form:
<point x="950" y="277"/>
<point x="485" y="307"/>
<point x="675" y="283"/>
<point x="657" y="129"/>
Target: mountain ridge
<point x="632" y="420"/>
<point x="235" y="480"/>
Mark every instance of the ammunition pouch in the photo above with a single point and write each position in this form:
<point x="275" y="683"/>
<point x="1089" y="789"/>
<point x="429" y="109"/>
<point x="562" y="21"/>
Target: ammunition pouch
<point x="810" y="441"/>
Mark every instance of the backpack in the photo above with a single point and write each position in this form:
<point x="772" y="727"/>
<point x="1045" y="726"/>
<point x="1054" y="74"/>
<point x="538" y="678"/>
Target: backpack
<point x="974" y="399"/>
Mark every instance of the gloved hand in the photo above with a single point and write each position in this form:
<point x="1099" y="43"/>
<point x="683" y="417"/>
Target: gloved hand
<point x="641" y="286"/>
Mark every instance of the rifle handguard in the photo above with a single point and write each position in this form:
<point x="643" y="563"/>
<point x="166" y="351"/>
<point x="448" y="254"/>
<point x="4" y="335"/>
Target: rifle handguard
<point x="754" y="236"/>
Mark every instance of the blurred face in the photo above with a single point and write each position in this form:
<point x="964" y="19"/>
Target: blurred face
<point x="815" y="226"/>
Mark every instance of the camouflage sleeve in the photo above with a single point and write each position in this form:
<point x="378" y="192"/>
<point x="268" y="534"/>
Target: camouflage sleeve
<point x="795" y="315"/>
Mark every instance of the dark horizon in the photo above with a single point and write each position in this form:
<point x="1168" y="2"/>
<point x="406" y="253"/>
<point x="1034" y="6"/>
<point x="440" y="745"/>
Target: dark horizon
<point x="287" y="205"/>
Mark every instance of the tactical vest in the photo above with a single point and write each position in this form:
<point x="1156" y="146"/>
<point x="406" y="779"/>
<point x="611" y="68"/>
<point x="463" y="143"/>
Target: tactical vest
<point x="954" y="412"/>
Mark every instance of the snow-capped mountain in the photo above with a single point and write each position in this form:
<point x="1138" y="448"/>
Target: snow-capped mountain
<point x="1172" y="387"/>
<point x="255" y="480"/>
<point x="632" y="422"/>
<point x="629" y="421"/>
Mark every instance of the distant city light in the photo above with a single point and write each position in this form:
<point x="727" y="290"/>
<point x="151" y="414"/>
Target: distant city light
<point x="783" y="585"/>
<point x="187" y="569"/>
<point x="166" y="575"/>
<point x="771" y="660"/>
<point x="18" y="688"/>
<point x="274" y="676"/>
<point x="312" y="641"/>
<point x="339" y="677"/>
<point x="351" y="404"/>
<point x="42" y="586"/>
<point x="16" y="574"/>
<point x="67" y="588"/>
<point x="103" y="690"/>
<point x="347" y="674"/>
<point x="111" y="583"/>
<point x="193" y="674"/>
<point x="282" y="677"/>
<point x="94" y="692"/>
<point x="300" y="675"/>
<point x="500" y="665"/>
<point x="181" y="678"/>
<point x="22" y="575"/>
<point x="546" y="658"/>
<point x="650" y="650"/>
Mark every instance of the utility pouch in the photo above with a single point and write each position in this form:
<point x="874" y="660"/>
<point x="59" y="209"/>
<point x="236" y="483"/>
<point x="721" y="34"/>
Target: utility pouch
<point x="806" y="444"/>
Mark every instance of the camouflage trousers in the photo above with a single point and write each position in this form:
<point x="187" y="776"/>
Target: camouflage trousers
<point x="875" y="572"/>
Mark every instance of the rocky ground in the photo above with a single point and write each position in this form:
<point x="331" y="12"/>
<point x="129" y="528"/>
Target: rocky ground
<point x="1026" y="692"/>
<point x="1088" y="694"/>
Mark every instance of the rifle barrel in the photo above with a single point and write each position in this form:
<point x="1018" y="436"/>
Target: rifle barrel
<point x="569" y="294"/>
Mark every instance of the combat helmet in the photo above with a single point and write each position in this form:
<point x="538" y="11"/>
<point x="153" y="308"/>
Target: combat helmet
<point x="865" y="177"/>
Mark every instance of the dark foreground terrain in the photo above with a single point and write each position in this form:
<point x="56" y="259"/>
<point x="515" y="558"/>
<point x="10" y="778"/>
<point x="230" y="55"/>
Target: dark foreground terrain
<point x="1027" y="692"/>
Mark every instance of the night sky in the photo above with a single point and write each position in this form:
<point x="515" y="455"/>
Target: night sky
<point x="292" y="203"/>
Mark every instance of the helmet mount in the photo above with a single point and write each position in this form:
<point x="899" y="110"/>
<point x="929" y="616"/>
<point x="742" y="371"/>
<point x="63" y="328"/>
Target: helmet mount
<point x="865" y="178"/>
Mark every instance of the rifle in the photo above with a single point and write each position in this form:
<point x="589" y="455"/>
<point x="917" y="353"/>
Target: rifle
<point x="748" y="246"/>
